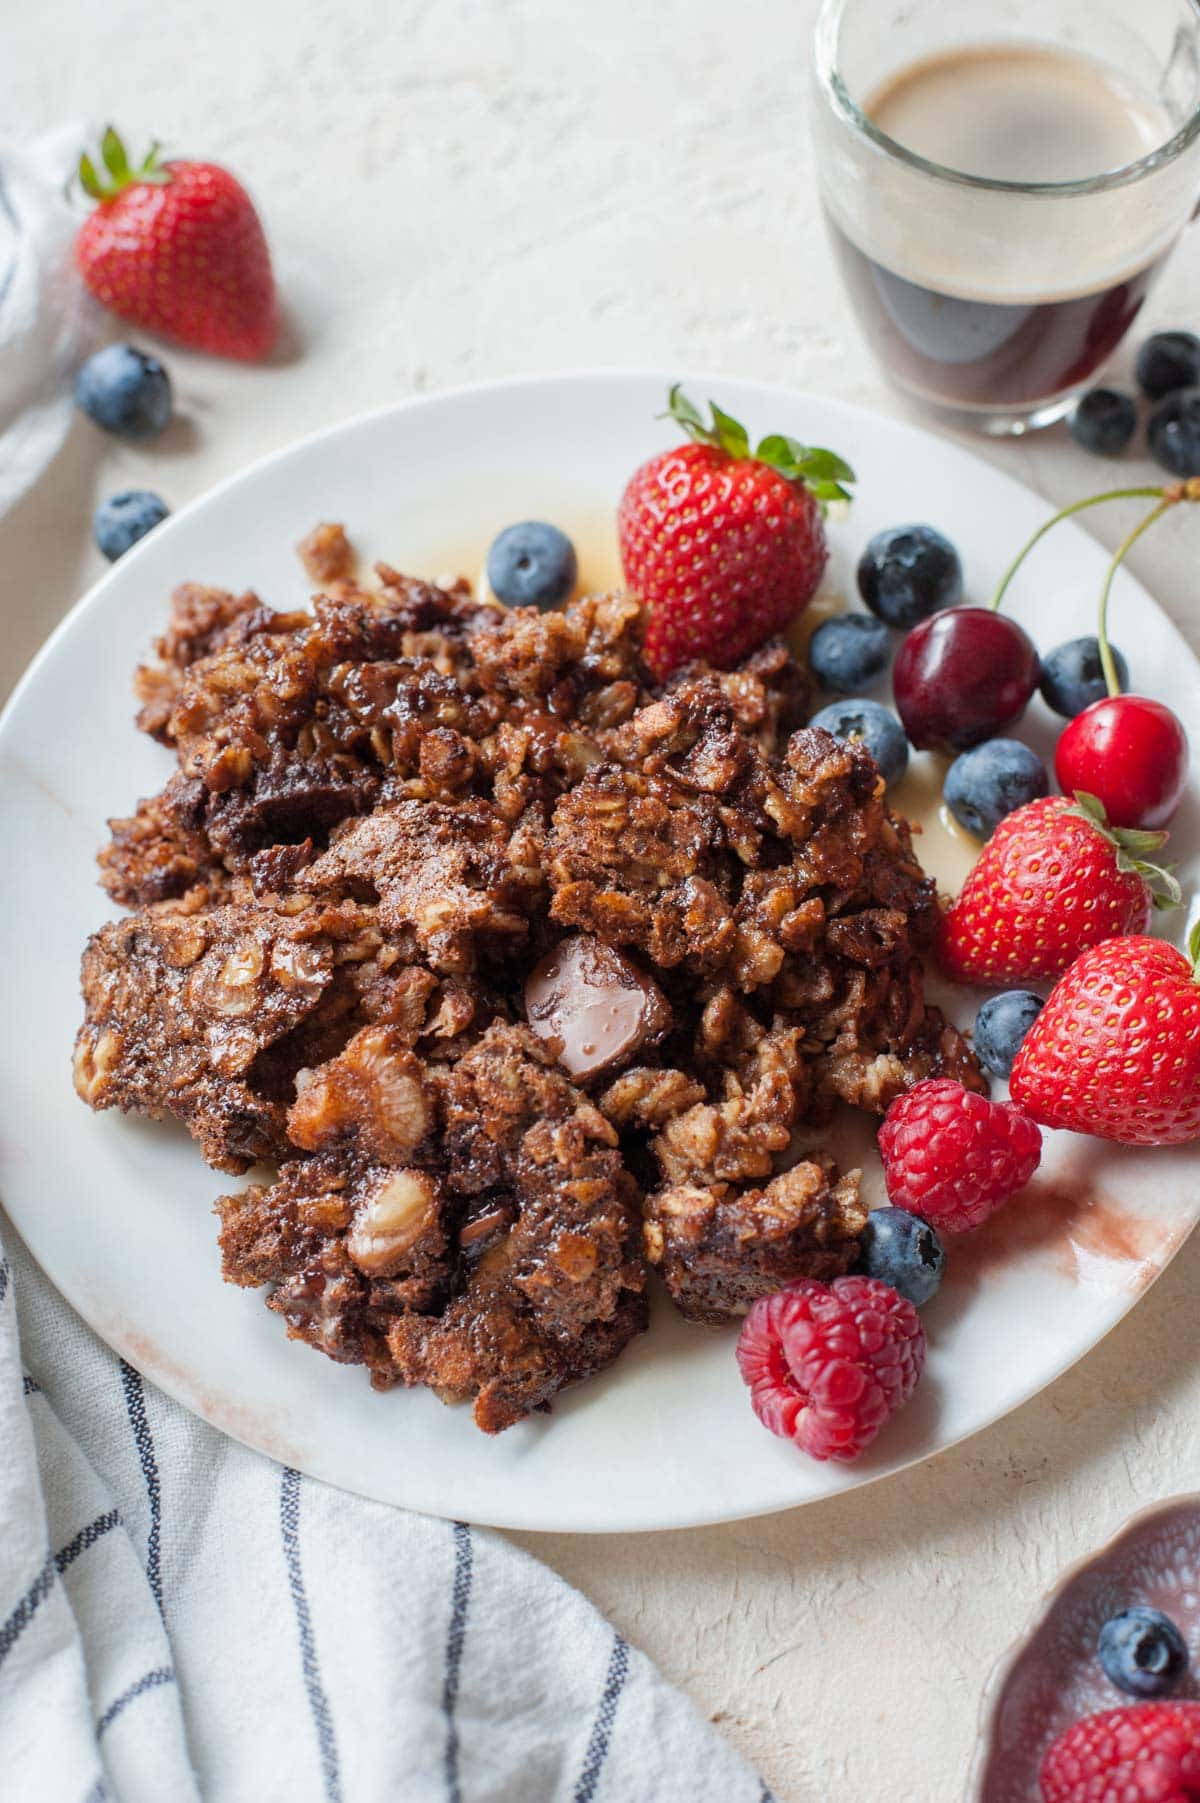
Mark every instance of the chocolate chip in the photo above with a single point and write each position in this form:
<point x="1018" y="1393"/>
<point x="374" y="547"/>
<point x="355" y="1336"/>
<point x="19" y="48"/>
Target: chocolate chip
<point x="594" y="1004"/>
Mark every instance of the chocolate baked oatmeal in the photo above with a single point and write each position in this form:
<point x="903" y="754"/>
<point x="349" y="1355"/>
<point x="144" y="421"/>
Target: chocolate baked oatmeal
<point x="522" y="971"/>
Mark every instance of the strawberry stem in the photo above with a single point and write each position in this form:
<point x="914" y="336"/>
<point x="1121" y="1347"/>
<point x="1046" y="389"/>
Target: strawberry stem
<point x="117" y="171"/>
<point x="1107" y="664"/>
<point x="1133" y="846"/>
<point x="822" y="472"/>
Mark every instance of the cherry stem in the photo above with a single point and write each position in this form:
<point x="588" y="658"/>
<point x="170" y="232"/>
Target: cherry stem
<point x="1111" y="679"/>
<point x="1064" y="513"/>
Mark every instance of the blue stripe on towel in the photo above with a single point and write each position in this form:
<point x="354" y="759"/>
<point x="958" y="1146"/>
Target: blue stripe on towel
<point x="318" y="1702"/>
<point x="88" y="1536"/>
<point x="461" y="1596"/>
<point x="162" y="1674"/>
<point x="42" y="1585"/>
<point x="135" y="1405"/>
<point x="602" y="1727"/>
<point x="27" y="1608"/>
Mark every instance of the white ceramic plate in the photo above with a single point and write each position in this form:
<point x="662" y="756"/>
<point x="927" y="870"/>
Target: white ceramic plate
<point x="118" y="1211"/>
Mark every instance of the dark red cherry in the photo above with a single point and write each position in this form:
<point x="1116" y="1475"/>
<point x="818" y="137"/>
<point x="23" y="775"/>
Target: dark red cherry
<point x="1129" y="751"/>
<point x="962" y="676"/>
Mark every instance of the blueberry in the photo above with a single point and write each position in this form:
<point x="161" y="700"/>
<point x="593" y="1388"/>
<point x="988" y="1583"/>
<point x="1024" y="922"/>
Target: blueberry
<point x="125" y="391"/>
<point x="1143" y="1652"/>
<point x="1001" y="1025"/>
<point x="848" y="653"/>
<point x="904" y="1251"/>
<point x="1173" y="433"/>
<point x="879" y="731"/>
<point x="1167" y="361"/>
<point x="1072" y="677"/>
<point x="121" y="520"/>
<point x="1103" y="422"/>
<point x="532" y="565"/>
<point x="909" y="572"/>
<point x="989" y="781"/>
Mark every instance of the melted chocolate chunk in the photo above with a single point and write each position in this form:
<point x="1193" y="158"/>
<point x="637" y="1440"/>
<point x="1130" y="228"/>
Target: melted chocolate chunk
<point x="594" y="1003"/>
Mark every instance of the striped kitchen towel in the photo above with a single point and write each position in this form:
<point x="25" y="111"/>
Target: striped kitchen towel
<point x="180" y="1618"/>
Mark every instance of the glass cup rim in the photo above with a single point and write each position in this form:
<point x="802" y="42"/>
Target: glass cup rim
<point x="851" y="114"/>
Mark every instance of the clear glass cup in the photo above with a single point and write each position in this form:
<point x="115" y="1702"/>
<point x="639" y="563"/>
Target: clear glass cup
<point x="995" y="302"/>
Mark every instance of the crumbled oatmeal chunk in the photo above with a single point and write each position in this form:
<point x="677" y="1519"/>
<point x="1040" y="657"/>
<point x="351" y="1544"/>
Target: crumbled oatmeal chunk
<point x="718" y="1248"/>
<point x="526" y="972"/>
<point x="184" y="1010"/>
<point x="326" y="554"/>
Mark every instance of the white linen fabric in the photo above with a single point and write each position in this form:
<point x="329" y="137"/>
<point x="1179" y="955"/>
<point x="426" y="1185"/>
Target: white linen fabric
<point x="47" y="319"/>
<point x="183" y="1619"/>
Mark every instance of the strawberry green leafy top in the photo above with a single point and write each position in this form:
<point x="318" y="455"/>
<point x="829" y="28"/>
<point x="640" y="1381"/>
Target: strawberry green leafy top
<point x="822" y="472"/>
<point x="119" y="172"/>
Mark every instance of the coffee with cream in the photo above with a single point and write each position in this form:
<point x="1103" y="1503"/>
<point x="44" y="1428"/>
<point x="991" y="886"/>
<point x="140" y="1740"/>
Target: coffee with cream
<point x="1030" y="306"/>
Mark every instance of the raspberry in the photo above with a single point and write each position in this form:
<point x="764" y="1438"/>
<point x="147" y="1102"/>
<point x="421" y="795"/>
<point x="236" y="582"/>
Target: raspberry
<point x="953" y="1157"/>
<point x="828" y="1364"/>
<point x="1146" y="1753"/>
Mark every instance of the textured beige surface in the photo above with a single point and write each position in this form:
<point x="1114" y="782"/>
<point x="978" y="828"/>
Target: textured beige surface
<point x="463" y="190"/>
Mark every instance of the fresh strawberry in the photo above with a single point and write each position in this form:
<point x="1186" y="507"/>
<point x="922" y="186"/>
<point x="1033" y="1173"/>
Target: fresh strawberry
<point x="724" y="546"/>
<point x="1116" y="1050"/>
<point x="178" y="249"/>
<point x="1053" y="879"/>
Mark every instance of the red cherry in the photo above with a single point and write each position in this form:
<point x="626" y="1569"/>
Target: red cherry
<point x="962" y="676"/>
<point x="1129" y="751"/>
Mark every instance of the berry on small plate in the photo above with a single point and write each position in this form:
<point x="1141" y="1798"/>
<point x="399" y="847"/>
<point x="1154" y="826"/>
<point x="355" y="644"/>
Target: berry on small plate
<point x="1149" y="1751"/>
<point x="1127" y="1614"/>
<point x="1143" y="1652"/>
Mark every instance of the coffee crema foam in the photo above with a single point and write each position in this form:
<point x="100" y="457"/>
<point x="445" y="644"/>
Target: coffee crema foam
<point x="1010" y="112"/>
<point x="1018" y="113"/>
